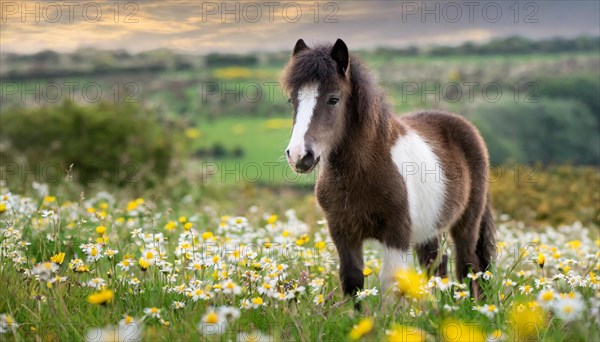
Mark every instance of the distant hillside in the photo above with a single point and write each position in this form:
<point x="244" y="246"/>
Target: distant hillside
<point x="90" y="62"/>
<point x="505" y="46"/>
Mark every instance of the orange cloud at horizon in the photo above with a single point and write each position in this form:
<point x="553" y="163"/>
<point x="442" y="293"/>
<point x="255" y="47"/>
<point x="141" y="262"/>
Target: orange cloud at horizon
<point x="243" y="26"/>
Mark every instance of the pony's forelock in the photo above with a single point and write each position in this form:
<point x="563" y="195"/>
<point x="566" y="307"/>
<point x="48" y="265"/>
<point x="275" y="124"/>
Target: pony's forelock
<point x="367" y="104"/>
<point x="313" y="65"/>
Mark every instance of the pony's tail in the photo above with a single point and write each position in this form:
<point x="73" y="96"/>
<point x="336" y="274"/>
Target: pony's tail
<point x="486" y="243"/>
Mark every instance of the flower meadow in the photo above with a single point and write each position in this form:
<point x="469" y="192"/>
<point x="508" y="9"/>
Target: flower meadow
<point x="106" y="268"/>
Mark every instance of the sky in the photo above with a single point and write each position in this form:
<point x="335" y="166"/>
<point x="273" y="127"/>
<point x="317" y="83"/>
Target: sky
<point x="200" y="27"/>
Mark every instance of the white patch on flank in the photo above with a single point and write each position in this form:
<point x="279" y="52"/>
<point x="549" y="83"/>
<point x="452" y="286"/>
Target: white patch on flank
<point x="423" y="175"/>
<point x="393" y="259"/>
<point x="307" y="100"/>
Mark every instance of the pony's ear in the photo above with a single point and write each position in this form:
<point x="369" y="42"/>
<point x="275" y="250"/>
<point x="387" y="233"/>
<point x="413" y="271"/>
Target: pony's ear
<point x="300" y="46"/>
<point x="340" y="55"/>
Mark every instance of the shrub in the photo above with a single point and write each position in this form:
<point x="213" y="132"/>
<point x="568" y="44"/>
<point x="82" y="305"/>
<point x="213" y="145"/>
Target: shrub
<point x="547" y="195"/>
<point x="116" y="143"/>
<point x="584" y="88"/>
<point x="552" y="131"/>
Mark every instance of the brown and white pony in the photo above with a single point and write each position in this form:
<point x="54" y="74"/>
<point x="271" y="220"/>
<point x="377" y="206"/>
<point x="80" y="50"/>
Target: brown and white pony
<point x="400" y="180"/>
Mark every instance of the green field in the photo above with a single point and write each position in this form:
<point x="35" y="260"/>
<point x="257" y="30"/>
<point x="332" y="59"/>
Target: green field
<point x="214" y="238"/>
<point x="164" y="267"/>
<point x="260" y="144"/>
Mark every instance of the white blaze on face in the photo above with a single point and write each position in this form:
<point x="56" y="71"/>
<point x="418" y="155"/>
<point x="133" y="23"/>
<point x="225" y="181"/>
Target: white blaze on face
<point x="307" y="100"/>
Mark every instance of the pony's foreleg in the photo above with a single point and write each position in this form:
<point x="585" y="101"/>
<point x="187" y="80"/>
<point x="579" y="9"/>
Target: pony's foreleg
<point x="351" y="264"/>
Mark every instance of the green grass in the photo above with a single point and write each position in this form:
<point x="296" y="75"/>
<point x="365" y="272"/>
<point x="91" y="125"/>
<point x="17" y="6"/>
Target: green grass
<point x="62" y="311"/>
<point x="546" y="216"/>
<point x="262" y="143"/>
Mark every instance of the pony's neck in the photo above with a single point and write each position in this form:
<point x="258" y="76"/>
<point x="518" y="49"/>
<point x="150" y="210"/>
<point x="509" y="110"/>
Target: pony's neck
<point x="369" y="123"/>
<point x="367" y="134"/>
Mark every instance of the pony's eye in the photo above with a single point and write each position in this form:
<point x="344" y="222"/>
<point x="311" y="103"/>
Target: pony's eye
<point x="333" y="101"/>
<point x="289" y="101"/>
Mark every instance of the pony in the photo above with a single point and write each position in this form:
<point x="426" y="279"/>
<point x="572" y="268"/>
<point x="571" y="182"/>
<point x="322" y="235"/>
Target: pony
<point x="401" y="180"/>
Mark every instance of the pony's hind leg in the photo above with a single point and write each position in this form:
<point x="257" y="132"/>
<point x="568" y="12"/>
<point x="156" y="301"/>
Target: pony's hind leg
<point x="465" y="234"/>
<point x="428" y="254"/>
<point x="486" y="244"/>
<point x="393" y="259"/>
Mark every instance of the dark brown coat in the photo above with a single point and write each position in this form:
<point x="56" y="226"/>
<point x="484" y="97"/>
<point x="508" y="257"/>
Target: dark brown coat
<point x="359" y="186"/>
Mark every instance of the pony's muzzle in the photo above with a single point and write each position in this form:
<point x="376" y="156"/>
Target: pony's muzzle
<point x="306" y="163"/>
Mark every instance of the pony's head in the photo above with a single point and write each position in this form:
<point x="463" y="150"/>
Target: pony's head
<point x="318" y="82"/>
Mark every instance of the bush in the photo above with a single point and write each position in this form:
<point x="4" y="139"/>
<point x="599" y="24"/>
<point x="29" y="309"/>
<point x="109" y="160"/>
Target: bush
<point x="105" y="142"/>
<point x="584" y="88"/>
<point x="547" y="195"/>
<point x="552" y="131"/>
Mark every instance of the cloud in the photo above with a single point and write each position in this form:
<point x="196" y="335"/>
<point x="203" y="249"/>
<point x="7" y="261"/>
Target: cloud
<point x="202" y="27"/>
